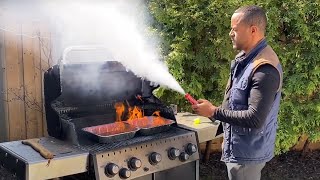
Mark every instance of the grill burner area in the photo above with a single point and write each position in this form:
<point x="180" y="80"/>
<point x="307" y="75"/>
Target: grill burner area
<point x="70" y="108"/>
<point x="78" y="89"/>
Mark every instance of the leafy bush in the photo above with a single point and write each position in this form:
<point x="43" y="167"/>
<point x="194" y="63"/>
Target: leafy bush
<point x="198" y="51"/>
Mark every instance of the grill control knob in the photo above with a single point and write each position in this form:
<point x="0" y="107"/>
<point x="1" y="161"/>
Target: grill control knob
<point x="155" y="158"/>
<point x="191" y="148"/>
<point x="173" y="153"/>
<point x="111" y="169"/>
<point x="184" y="156"/>
<point x="124" y="173"/>
<point x="134" y="163"/>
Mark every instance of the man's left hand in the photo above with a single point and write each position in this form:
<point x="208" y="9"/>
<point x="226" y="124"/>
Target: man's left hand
<point x="204" y="108"/>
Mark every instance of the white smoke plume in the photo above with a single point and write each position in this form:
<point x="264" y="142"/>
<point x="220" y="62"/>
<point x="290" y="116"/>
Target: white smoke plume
<point x="118" y="25"/>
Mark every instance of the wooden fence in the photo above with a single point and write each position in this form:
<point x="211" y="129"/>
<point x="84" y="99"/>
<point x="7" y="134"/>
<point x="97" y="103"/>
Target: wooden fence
<point x="24" y="56"/>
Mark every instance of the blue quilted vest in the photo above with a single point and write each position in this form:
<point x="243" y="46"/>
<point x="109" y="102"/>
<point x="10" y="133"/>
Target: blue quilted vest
<point x="251" y="145"/>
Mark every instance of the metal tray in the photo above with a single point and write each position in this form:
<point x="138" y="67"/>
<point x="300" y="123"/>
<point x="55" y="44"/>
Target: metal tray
<point x="147" y="125"/>
<point x="113" y="132"/>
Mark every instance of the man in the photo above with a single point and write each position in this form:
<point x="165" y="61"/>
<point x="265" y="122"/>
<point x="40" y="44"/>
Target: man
<point x="250" y="107"/>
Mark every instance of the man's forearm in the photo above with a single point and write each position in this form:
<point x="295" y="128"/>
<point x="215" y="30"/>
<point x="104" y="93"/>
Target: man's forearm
<point x="246" y="118"/>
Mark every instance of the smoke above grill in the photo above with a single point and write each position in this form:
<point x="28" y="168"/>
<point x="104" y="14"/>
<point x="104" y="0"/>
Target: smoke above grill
<point x="120" y="26"/>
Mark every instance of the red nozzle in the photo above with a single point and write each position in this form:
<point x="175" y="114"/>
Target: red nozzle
<point x="190" y="99"/>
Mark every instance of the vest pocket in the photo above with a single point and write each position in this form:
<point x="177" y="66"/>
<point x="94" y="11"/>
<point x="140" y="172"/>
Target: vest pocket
<point x="239" y="98"/>
<point x="247" y="131"/>
<point x="246" y="143"/>
<point x="250" y="144"/>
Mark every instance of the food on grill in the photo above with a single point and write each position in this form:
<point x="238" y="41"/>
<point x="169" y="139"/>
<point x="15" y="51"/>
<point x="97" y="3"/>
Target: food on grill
<point x="110" y="129"/>
<point x="149" y="122"/>
<point x="112" y="132"/>
<point x="149" y="125"/>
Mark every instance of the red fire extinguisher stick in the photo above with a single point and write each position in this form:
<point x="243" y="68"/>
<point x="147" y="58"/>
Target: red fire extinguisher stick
<point x="190" y="99"/>
<point x="194" y="101"/>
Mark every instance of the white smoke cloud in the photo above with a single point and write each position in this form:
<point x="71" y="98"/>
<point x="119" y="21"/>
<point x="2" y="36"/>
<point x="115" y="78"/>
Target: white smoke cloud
<point x="115" y="25"/>
<point x="118" y="25"/>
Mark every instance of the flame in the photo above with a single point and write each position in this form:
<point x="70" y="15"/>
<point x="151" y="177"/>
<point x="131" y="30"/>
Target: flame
<point x="157" y="120"/>
<point x="135" y="113"/>
<point x="156" y="113"/>
<point x="119" y="111"/>
<point x="136" y="117"/>
<point x="141" y="122"/>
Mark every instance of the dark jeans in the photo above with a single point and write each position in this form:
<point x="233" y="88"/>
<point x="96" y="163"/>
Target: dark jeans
<point x="244" y="171"/>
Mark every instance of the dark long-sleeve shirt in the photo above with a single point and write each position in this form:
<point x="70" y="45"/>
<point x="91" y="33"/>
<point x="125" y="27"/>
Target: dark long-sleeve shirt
<point x="264" y="86"/>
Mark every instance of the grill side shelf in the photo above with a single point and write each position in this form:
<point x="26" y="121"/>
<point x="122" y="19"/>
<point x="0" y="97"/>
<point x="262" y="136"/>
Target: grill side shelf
<point x="28" y="164"/>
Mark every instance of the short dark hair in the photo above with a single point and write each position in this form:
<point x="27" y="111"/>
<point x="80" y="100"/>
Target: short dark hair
<point x="254" y="15"/>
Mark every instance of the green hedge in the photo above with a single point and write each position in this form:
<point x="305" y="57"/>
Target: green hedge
<point x="198" y="51"/>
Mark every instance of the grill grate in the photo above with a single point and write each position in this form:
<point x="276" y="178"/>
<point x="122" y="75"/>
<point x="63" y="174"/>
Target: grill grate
<point x="58" y="105"/>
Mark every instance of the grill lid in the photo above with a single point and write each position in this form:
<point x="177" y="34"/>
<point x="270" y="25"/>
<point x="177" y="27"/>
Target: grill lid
<point x="86" y="81"/>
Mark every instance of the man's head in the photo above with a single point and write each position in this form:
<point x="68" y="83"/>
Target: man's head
<point x="248" y="26"/>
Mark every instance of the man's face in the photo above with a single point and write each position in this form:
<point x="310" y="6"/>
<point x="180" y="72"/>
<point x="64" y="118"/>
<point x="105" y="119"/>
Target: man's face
<point x="240" y="32"/>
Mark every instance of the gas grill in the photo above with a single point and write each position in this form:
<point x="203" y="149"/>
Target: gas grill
<point x="81" y="102"/>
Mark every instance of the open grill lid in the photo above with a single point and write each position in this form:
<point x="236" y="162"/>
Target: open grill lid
<point x="90" y="76"/>
<point x="97" y="83"/>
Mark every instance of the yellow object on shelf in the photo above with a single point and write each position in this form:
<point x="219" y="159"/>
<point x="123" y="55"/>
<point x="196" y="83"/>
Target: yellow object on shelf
<point x="196" y="121"/>
<point x="206" y="130"/>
